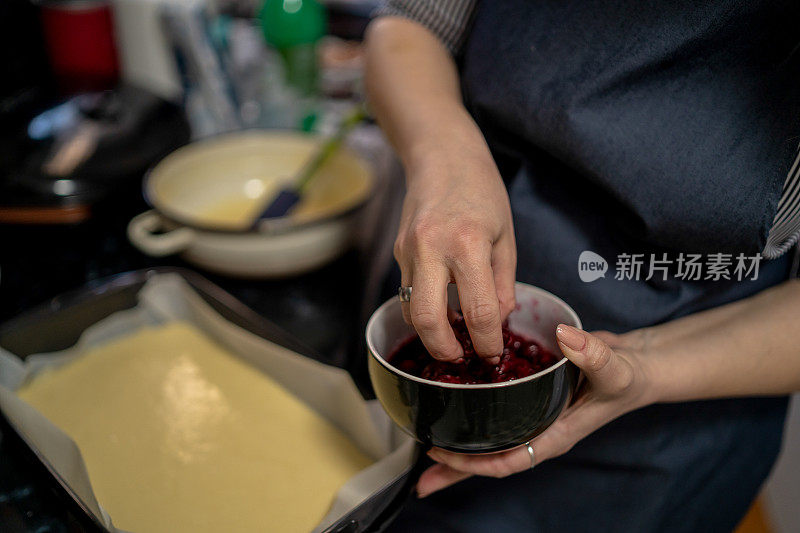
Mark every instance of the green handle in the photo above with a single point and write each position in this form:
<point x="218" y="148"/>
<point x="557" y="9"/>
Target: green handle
<point x="328" y="147"/>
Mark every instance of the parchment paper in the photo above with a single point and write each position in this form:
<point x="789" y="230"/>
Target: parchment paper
<point x="328" y="390"/>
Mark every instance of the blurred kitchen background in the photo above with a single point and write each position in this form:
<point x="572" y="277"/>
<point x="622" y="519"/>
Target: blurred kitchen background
<point x="94" y="93"/>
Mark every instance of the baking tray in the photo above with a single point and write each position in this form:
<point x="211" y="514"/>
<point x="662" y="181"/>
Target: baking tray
<point x="59" y="323"/>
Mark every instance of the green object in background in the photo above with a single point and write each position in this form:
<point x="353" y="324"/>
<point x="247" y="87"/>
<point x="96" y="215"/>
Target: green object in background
<point x="309" y="121"/>
<point x="293" y="27"/>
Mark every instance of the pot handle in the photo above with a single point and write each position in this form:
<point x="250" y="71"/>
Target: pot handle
<point x="140" y="233"/>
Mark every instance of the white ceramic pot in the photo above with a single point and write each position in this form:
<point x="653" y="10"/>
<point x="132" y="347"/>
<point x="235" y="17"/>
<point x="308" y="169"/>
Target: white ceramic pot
<point x="206" y="195"/>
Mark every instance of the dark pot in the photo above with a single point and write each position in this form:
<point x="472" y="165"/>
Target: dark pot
<point x="481" y="418"/>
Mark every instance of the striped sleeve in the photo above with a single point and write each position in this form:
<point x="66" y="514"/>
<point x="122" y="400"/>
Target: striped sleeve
<point x="448" y="19"/>
<point x="786" y="225"/>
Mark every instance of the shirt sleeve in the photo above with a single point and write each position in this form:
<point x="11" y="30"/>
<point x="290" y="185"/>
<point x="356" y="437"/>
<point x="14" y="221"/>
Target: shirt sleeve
<point x="786" y="224"/>
<point x="449" y="20"/>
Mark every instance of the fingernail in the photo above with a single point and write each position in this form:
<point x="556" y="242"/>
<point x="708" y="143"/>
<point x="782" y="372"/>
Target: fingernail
<point x="494" y="360"/>
<point x="421" y="494"/>
<point x="571" y="337"/>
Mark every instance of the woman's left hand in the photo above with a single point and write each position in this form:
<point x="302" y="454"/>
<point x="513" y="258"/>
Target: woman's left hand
<point x="616" y="383"/>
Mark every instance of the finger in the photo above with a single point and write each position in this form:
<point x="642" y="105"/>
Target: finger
<point x="406" y="280"/>
<point x="504" y="267"/>
<point x="406" y="276"/>
<point x="607" y="372"/>
<point x="606" y="336"/>
<point x="429" y="311"/>
<point x="478" y="297"/>
<point x="492" y="465"/>
<point x="437" y="477"/>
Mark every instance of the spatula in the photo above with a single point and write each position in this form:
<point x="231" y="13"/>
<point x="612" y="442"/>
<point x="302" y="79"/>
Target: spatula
<point x="287" y="198"/>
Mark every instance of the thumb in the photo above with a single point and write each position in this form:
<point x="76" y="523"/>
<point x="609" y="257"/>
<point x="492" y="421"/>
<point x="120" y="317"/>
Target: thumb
<point x="606" y="371"/>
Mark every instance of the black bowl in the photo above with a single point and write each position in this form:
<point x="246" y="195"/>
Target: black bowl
<point x="482" y="418"/>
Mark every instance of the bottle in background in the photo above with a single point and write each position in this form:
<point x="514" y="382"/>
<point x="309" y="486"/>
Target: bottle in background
<point x="293" y="27"/>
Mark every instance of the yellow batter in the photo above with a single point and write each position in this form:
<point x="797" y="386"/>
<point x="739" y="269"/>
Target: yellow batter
<point x="179" y="435"/>
<point x="326" y="195"/>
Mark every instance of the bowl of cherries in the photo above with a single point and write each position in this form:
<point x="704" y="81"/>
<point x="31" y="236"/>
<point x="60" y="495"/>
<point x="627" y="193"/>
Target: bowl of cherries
<point x="474" y="405"/>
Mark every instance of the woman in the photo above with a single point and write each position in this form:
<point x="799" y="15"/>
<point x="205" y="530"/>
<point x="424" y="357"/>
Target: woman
<point x="638" y="131"/>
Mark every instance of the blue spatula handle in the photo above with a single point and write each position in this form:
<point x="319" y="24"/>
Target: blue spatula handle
<point x="281" y="204"/>
<point x="288" y="198"/>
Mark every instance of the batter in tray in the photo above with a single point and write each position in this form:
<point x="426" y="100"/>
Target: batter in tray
<point x="180" y="435"/>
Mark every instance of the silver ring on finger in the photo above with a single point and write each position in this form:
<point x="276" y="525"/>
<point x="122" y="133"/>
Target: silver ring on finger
<point x="404" y="294"/>
<point x="530" y="452"/>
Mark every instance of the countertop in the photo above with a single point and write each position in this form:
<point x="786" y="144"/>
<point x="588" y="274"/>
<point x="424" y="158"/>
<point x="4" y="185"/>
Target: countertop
<point x="322" y="309"/>
<point x="326" y="309"/>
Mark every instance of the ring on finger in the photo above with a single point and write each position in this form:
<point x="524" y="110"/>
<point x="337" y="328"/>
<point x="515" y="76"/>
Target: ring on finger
<point x="404" y="294"/>
<point x="529" y="446"/>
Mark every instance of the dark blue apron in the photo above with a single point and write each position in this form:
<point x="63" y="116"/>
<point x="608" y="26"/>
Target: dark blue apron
<point x="641" y="127"/>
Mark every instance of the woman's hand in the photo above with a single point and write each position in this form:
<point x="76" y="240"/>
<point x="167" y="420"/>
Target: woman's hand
<point x="617" y="381"/>
<point x="456" y="222"/>
<point x="456" y="226"/>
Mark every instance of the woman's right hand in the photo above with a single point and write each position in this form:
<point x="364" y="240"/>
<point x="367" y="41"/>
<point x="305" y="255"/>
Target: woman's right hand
<point x="456" y="222"/>
<point x="456" y="226"/>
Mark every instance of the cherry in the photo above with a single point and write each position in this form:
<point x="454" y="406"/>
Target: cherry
<point x="531" y="351"/>
<point x="520" y="357"/>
